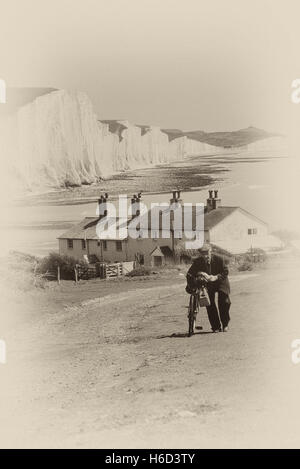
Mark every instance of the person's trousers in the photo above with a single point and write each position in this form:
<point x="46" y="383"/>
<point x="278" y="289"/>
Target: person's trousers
<point x="218" y="321"/>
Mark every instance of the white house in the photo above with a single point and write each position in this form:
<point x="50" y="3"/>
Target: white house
<point x="235" y="229"/>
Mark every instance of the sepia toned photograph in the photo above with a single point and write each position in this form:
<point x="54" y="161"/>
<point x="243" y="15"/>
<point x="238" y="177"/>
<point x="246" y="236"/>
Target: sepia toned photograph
<point x="150" y="231"/>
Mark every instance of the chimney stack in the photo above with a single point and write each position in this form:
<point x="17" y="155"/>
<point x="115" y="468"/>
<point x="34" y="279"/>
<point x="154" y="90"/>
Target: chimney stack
<point x="213" y="202"/>
<point x="102" y="205"/>
<point x="136" y="199"/>
<point x="175" y="197"/>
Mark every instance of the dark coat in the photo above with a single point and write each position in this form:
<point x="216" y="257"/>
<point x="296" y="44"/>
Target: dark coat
<point x="217" y="267"/>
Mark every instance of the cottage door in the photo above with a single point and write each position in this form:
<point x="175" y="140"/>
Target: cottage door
<point x="157" y="261"/>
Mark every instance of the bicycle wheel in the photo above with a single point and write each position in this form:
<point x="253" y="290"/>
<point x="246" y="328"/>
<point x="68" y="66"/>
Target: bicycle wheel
<point x="192" y="316"/>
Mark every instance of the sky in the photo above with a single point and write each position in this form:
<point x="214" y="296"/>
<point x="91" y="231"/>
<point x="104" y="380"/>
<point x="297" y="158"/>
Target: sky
<point x="192" y="64"/>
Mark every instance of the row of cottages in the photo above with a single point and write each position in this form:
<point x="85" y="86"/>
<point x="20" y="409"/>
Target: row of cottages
<point x="232" y="229"/>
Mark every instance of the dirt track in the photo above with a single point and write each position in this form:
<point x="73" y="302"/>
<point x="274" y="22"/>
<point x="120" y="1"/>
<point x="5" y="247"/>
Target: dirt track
<point x="120" y="372"/>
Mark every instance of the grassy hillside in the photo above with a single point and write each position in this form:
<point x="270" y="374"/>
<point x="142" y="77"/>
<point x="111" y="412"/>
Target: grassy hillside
<point x="223" y="139"/>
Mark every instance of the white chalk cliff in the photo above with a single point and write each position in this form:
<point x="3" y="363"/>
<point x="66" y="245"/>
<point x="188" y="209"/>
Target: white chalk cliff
<point x="57" y="140"/>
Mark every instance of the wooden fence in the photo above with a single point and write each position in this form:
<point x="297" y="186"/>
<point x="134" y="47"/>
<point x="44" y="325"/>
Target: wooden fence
<point x="88" y="271"/>
<point x="104" y="271"/>
<point x="113" y="270"/>
<point x="117" y="269"/>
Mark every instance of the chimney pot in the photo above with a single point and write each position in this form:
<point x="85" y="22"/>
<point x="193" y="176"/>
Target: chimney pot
<point x="213" y="202"/>
<point x="136" y="199"/>
<point x="103" y="205"/>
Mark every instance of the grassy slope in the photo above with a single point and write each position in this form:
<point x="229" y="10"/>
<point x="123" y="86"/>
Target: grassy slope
<point x="236" y="138"/>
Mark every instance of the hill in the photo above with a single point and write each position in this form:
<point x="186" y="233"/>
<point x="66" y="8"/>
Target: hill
<point x="235" y="138"/>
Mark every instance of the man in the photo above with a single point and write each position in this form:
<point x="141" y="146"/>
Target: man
<point x="215" y="271"/>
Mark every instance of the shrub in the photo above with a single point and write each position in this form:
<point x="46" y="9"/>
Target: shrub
<point x="257" y="255"/>
<point x="248" y="260"/>
<point x="246" y="265"/>
<point x="139" y="272"/>
<point x="48" y="265"/>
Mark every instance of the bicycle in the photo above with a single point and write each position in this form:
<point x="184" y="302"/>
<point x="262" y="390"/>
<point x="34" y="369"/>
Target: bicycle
<point x="198" y="298"/>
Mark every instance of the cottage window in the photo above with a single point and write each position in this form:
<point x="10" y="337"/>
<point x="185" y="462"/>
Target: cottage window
<point x="70" y="243"/>
<point x="83" y="244"/>
<point x="104" y="245"/>
<point x="252" y="231"/>
<point x="119" y="245"/>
